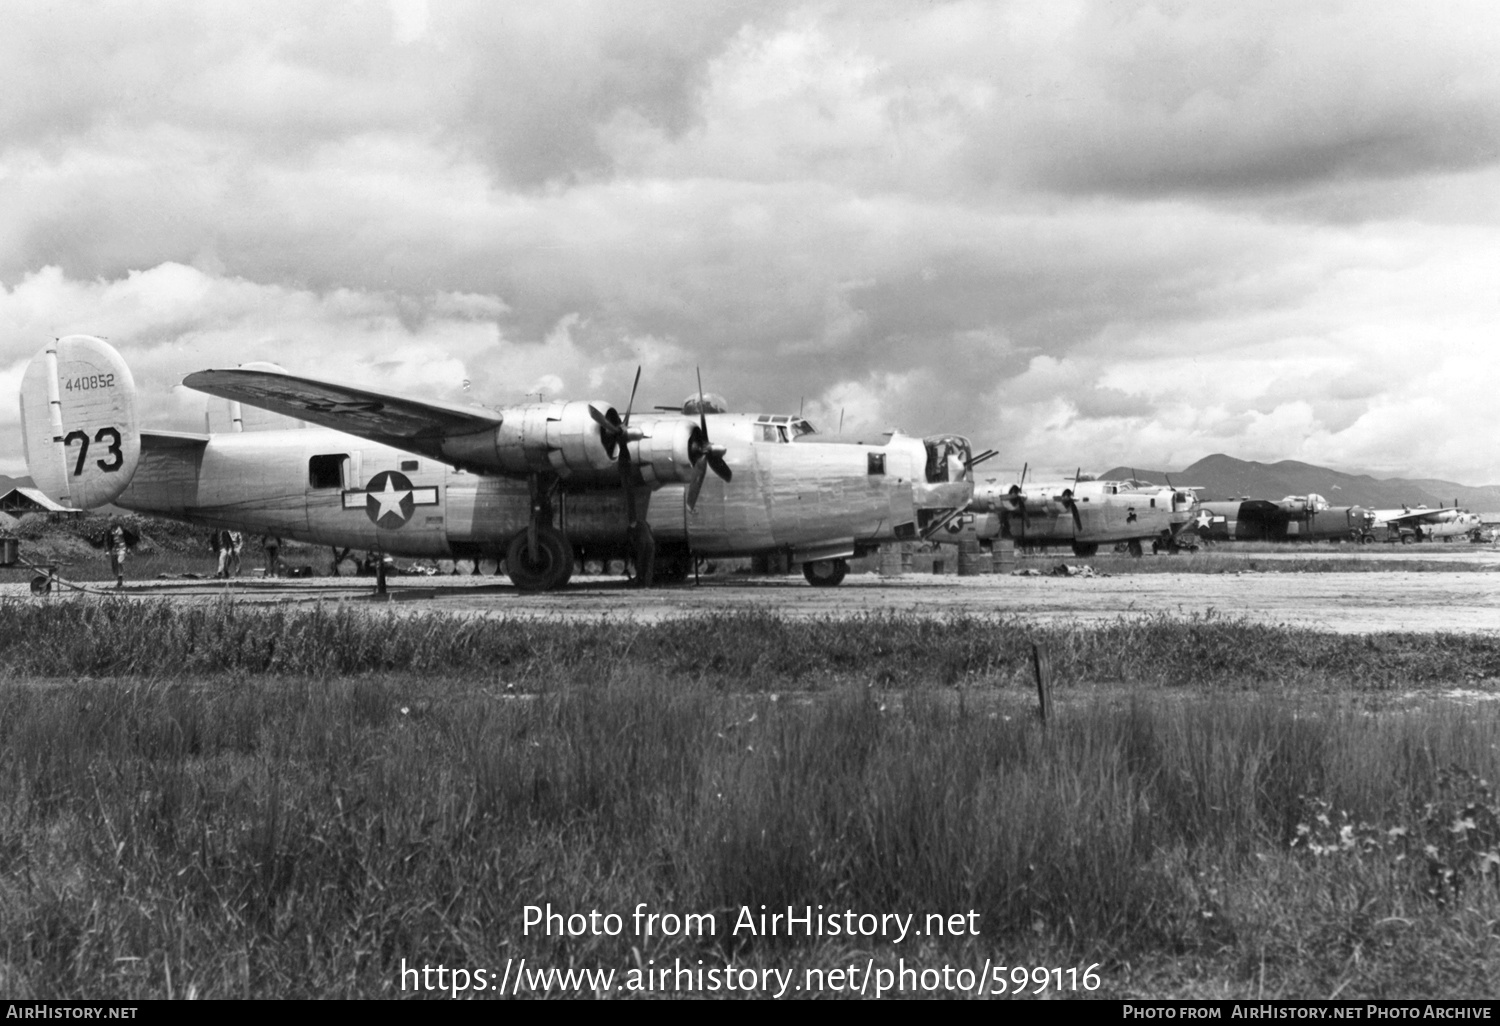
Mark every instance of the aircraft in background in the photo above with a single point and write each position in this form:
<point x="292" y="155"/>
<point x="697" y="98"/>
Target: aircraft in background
<point x="1423" y="524"/>
<point x="1083" y="513"/>
<point x="1294" y="518"/>
<point x="539" y="485"/>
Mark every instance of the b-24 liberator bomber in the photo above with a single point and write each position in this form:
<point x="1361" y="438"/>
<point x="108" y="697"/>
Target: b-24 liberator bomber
<point x="539" y="485"/>
<point x="1419" y="524"/>
<point x="1083" y="513"/>
<point x="1293" y="518"/>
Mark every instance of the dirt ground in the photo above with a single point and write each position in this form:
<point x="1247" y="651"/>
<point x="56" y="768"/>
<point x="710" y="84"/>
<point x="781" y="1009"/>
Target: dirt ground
<point x="1391" y="600"/>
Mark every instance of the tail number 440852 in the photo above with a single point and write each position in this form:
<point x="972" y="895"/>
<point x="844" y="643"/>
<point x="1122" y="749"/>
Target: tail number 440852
<point x="105" y="433"/>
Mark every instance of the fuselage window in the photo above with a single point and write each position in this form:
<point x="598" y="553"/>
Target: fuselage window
<point x="877" y="463"/>
<point x="327" y="471"/>
<point x="768" y="433"/>
<point x="408" y="464"/>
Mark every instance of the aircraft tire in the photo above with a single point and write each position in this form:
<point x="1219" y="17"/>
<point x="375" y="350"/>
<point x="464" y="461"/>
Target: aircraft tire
<point x="554" y="565"/>
<point x="825" y="573"/>
<point x="1083" y="549"/>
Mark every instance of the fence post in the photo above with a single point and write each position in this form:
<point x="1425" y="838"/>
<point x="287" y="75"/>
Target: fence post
<point x="1041" y="662"/>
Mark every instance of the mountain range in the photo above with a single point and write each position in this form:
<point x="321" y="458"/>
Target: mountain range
<point x="1224" y="477"/>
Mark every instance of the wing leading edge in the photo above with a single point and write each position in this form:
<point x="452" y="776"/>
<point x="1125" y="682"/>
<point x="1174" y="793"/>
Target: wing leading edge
<point x="416" y="425"/>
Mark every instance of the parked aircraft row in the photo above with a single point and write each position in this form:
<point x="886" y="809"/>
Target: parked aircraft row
<point x="1311" y="518"/>
<point x="544" y="485"/>
<point x="538" y="485"/>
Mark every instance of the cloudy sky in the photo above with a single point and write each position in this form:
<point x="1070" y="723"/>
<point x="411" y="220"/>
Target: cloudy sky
<point x="1081" y="233"/>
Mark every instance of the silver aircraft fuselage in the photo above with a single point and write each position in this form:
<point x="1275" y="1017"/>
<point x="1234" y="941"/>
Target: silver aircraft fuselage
<point x="814" y="500"/>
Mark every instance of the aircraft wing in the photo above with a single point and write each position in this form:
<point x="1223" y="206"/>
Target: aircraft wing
<point x="416" y="425"/>
<point x="1418" y="516"/>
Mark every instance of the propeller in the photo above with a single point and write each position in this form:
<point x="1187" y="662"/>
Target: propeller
<point x="616" y="434"/>
<point x="1072" y="503"/>
<point x="637" y="534"/>
<point x="704" y="454"/>
<point x="614" y="431"/>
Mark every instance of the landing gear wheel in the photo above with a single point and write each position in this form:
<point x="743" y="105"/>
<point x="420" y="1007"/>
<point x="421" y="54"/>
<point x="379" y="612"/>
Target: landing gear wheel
<point x="1084" y="549"/>
<point x="41" y="584"/>
<point x="825" y="573"/>
<point x="1133" y="547"/>
<point x="552" y="567"/>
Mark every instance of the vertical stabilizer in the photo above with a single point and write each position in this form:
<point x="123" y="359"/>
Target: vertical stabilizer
<point x="79" y="423"/>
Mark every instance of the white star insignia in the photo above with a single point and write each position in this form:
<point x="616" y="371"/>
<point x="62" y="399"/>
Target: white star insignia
<point x="390" y="500"/>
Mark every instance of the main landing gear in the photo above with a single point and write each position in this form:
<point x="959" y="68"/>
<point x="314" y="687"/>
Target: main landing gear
<point x="540" y="557"/>
<point x="825" y="573"/>
<point x="549" y="567"/>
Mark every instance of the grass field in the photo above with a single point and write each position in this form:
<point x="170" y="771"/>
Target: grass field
<point x="225" y="802"/>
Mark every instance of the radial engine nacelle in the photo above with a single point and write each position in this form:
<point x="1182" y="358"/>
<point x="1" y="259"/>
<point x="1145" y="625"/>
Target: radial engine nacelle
<point x="565" y="439"/>
<point x="561" y="438"/>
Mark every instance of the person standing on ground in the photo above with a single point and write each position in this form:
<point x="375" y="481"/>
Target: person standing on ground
<point x="219" y="542"/>
<point x="117" y="540"/>
<point x="236" y="543"/>
<point x="272" y="546"/>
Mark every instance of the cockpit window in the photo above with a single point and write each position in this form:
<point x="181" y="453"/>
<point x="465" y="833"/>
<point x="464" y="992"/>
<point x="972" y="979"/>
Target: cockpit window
<point x="779" y="427"/>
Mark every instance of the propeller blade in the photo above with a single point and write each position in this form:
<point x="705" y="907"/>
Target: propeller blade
<point x="631" y="405"/>
<point x="716" y="460"/>
<point x="700" y="470"/>
<point x="1072" y="504"/>
<point x="702" y="417"/>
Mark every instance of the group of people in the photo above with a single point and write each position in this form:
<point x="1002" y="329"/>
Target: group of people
<point x="227" y="545"/>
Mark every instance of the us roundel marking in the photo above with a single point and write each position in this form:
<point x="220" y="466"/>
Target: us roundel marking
<point x="390" y="499"/>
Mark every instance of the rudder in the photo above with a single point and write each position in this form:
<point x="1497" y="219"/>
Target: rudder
<point x="79" y="423"/>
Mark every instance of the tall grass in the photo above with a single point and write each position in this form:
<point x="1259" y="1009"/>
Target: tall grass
<point x="749" y="651"/>
<point x="300" y="837"/>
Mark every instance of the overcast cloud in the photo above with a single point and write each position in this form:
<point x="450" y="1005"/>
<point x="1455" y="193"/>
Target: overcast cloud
<point x="1081" y="233"/>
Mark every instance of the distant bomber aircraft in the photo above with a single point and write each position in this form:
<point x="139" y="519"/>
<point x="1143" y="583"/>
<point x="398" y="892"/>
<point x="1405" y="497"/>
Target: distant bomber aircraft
<point x="1083" y="513"/>
<point x="539" y="485"/>
<point x="1423" y="524"/>
<point x="1294" y="518"/>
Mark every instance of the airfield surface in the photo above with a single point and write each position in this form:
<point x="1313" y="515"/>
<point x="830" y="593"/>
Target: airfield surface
<point x="1347" y="602"/>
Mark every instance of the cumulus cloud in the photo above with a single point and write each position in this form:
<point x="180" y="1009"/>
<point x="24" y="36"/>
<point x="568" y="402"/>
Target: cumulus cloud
<point x="1082" y="233"/>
